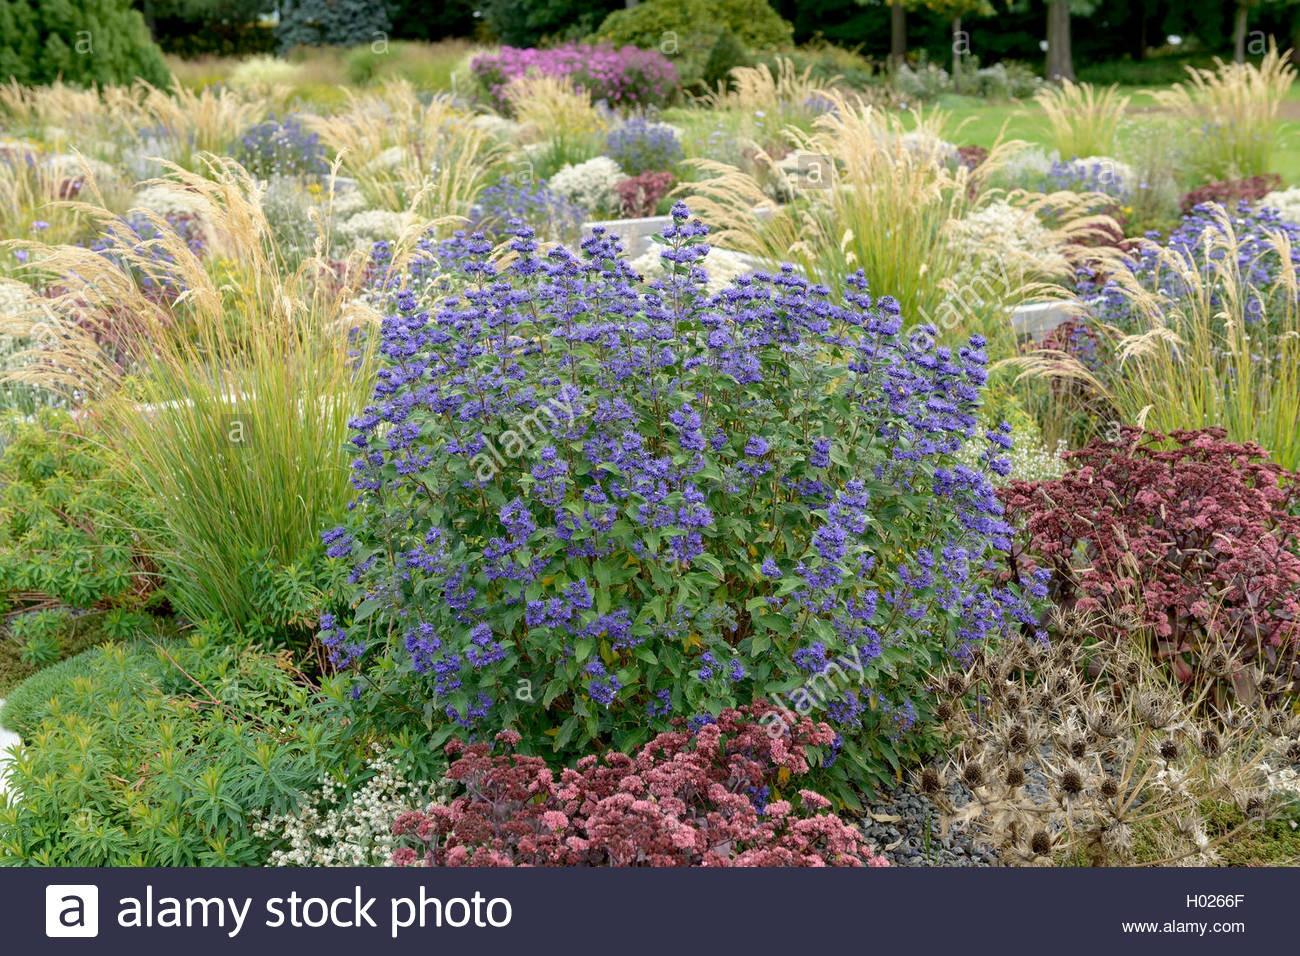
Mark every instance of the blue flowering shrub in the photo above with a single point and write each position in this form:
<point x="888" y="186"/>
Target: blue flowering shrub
<point x="281" y="148"/>
<point x="639" y="147"/>
<point x="587" y="506"/>
<point x="531" y="202"/>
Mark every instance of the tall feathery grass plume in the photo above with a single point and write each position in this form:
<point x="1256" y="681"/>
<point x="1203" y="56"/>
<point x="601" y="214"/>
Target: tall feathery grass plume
<point x="1204" y="343"/>
<point x="224" y="377"/>
<point x="1233" y="110"/>
<point x="1084" y="120"/>
<point x="406" y="154"/>
<point x="887" y="198"/>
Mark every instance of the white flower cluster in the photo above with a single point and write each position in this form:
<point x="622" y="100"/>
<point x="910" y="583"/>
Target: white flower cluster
<point x="1027" y="167"/>
<point x="16" y="298"/>
<point x="928" y="147"/>
<point x="592" y="185"/>
<point x="1030" y="458"/>
<point x="996" y="248"/>
<point x="338" y="828"/>
<point x="263" y="71"/>
<point x="498" y="127"/>
<point x="363" y="228"/>
<point x="72" y="166"/>
<point x="1286" y="202"/>
<point x="391" y="158"/>
<point x="348" y="199"/>
<point x="722" y="265"/>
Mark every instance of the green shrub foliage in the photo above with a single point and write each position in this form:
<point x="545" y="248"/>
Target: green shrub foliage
<point x="162" y="756"/>
<point x="331" y="23"/>
<point x="84" y="42"/>
<point x="703" y="39"/>
<point x="68" y="520"/>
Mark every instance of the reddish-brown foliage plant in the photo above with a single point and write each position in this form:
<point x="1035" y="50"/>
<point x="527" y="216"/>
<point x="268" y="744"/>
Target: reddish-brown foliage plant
<point x="685" y="799"/>
<point x="1193" y="536"/>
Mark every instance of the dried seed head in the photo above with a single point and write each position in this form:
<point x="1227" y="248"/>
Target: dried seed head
<point x="943" y="712"/>
<point x="972" y="774"/>
<point x="1072" y="782"/>
<point x="1109" y="788"/>
<point x="1014" y="702"/>
<point x="1040" y="843"/>
<point x="1218" y="663"/>
<point x="1078" y="748"/>
<point x="1015" y="777"/>
<point x="1104" y="724"/>
<point x="1018" y="739"/>
<point x="1169" y="750"/>
<point x="1210" y="743"/>
<point x="956" y="685"/>
<point x="931" y="781"/>
<point x="1293" y="751"/>
<point x="1132" y="672"/>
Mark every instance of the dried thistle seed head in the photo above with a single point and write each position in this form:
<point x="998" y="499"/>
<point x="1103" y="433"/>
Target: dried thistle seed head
<point x="1015" y="777"/>
<point x="1152" y="711"/>
<point x="1109" y="787"/>
<point x="931" y="781"/>
<point x="1293" y="751"/>
<point x="1017" y="739"/>
<point x="1077" y="748"/>
<point x="956" y="685"/>
<point x="1211" y="745"/>
<point x="1104" y="724"/>
<point x="1132" y="672"/>
<point x="944" y="712"/>
<point x="1218" y="663"/>
<point x="1117" y="837"/>
<point x="1072" y="782"/>
<point x="972" y="774"/>
<point x="1169" y="749"/>
<point x="1040" y="843"/>
<point x="1269" y="685"/>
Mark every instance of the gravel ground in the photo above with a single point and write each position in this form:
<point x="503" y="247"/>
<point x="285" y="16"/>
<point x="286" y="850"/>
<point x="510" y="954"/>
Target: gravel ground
<point x="896" y="824"/>
<point x="903" y="840"/>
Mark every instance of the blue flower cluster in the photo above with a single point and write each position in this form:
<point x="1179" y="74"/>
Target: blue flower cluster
<point x="1083" y="176"/>
<point x="281" y="147"/>
<point x="1197" y="244"/>
<point x="586" y="504"/>
<point x="640" y="146"/>
<point x="152" y="261"/>
<point x="530" y="202"/>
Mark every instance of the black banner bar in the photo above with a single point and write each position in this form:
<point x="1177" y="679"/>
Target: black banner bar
<point x="634" y="911"/>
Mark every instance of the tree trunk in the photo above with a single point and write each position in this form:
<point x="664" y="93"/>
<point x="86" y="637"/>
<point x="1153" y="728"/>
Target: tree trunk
<point x="1060" y="64"/>
<point x="1138" y="30"/>
<point x="1239" y="34"/>
<point x="897" y="32"/>
<point x="956" y="54"/>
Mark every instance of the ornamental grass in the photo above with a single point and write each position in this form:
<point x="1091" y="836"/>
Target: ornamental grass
<point x="1235" y="109"/>
<point x="406" y="154"/>
<point x="1084" y="120"/>
<point x="226" y="386"/>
